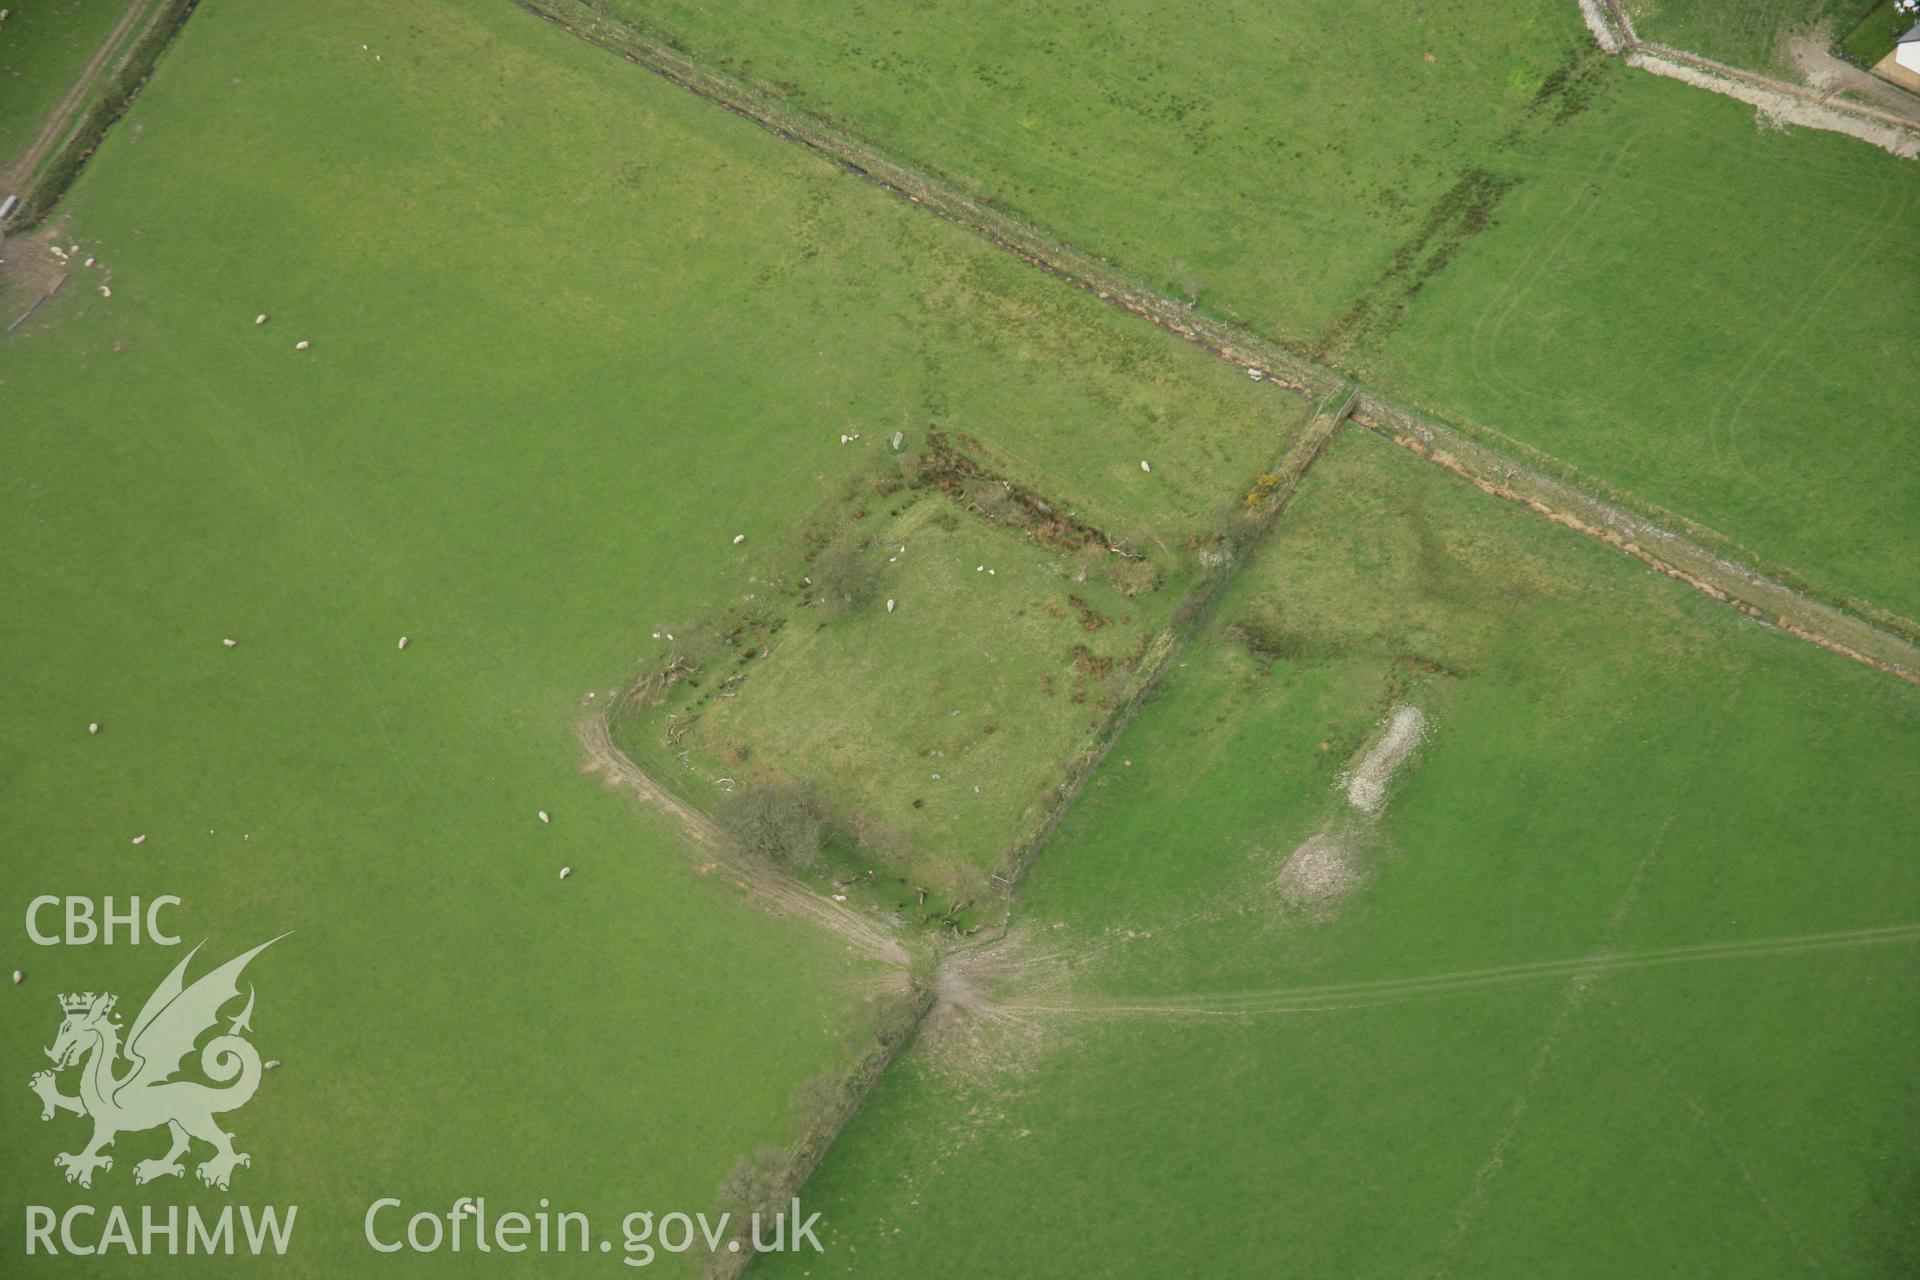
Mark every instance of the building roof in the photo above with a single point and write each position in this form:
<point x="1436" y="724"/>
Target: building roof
<point x="1911" y="37"/>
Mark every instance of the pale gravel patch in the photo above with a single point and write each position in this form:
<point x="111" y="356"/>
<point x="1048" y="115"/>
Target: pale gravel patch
<point x="1367" y="784"/>
<point x="1600" y="25"/>
<point x="1320" y="870"/>
<point x="1776" y="110"/>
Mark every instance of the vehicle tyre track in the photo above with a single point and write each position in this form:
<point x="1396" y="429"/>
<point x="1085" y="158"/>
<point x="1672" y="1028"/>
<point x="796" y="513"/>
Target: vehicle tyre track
<point x="1358" y="995"/>
<point x="786" y="894"/>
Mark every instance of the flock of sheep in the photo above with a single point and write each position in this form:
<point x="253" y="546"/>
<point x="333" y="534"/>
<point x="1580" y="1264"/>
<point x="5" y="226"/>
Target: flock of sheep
<point x="93" y="728"/>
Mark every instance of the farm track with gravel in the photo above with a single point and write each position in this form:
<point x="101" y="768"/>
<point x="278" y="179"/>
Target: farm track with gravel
<point x="781" y="892"/>
<point x="60" y="120"/>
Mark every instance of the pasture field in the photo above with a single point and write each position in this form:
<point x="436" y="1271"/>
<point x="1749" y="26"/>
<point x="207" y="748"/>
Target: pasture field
<point x="993" y="631"/>
<point x="566" y="345"/>
<point x="1751" y="35"/>
<point x="1751" y="378"/>
<point x="928" y="731"/>
<point x="1620" y="978"/>
<point x="1266" y="161"/>
<point x="1308" y="172"/>
<point x="42" y="50"/>
<point x="1465" y="899"/>
<point x="470" y="455"/>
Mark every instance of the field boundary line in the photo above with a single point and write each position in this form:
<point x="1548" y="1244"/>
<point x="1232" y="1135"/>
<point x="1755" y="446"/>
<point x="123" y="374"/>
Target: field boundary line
<point x="1852" y="627"/>
<point x="1797" y="104"/>
<point x="32" y="307"/>
<point x="1763" y="599"/>
<point x="790" y="895"/>
<point x="21" y="166"/>
<point x="786" y="893"/>
<point x="105" y="88"/>
<point x="1189" y="617"/>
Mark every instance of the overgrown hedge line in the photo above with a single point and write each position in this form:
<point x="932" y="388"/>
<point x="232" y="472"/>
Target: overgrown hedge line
<point x="49" y="183"/>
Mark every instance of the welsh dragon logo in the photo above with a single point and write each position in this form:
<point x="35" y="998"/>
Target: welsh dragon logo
<point x="145" y="1094"/>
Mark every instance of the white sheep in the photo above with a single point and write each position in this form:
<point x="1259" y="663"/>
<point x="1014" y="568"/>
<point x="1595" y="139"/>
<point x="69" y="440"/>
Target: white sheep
<point x="739" y="538"/>
<point x="1144" y="466"/>
<point x="301" y="345"/>
<point x="105" y="292"/>
<point x="565" y="872"/>
<point x="141" y="838"/>
<point x="270" y="1064"/>
<point x="94" y="727"/>
<point x="261" y="318"/>
<point x="18" y="977"/>
<point x="544" y="817"/>
<point x="229" y="643"/>
<point x="889" y="606"/>
<point x="403" y="642"/>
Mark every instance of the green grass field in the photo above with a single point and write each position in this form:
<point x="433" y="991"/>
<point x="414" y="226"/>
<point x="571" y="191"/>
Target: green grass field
<point x="930" y="731"/>
<point x="594" y="377"/>
<point x="1186" y="1070"/>
<point x="1756" y="384"/>
<point x="1268" y="159"/>
<point x="43" y="47"/>
<point x="177" y="475"/>
<point x="559" y="359"/>
<point x="936" y="717"/>
<point x="1307" y="171"/>
<point x="1745" y="34"/>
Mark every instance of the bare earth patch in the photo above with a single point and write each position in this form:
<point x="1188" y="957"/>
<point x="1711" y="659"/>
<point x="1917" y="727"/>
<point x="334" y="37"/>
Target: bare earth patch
<point x="28" y="270"/>
<point x="1809" y="53"/>
<point x="980" y="1029"/>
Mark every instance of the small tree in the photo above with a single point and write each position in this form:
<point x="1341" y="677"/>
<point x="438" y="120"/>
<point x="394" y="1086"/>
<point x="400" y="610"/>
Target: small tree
<point x="778" y="822"/>
<point x="1089" y="558"/>
<point x="757" y="1183"/>
<point x="1132" y="577"/>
